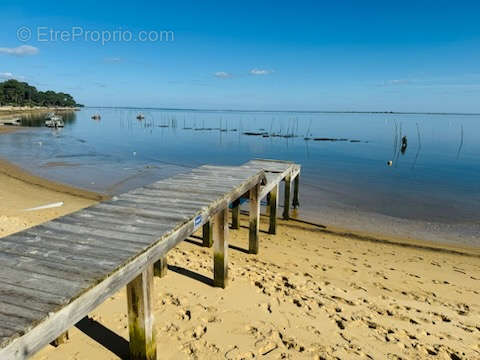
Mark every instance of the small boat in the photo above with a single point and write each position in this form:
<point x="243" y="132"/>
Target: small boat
<point x="96" y="116"/>
<point x="140" y="116"/>
<point x="55" y="122"/>
<point x="49" y="116"/>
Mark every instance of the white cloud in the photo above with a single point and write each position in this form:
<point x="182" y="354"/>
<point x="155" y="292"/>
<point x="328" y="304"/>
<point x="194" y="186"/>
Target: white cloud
<point x="399" y="82"/>
<point x="222" y="75"/>
<point x="9" y="76"/>
<point x="113" y="59"/>
<point x="24" y="50"/>
<point x="257" y="71"/>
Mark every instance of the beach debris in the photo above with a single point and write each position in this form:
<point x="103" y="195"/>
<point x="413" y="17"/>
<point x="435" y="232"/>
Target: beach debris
<point x="389" y="162"/>
<point x="48" y="206"/>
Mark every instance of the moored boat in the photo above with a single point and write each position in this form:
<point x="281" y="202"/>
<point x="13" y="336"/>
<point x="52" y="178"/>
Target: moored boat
<point x="54" y="122"/>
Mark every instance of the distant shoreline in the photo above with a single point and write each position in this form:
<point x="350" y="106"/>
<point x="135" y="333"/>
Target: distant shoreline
<point x="18" y="110"/>
<point x="285" y="111"/>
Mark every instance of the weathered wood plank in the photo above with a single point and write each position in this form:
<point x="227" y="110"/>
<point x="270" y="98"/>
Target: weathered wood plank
<point x="37" y="281"/>
<point x="178" y="208"/>
<point x="163" y="201"/>
<point x="12" y="314"/>
<point x="61" y="260"/>
<point x="193" y="187"/>
<point x="122" y="231"/>
<point x="55" y="256"/>
<point x="26" y="294"/>
<point x="140" y="317"/>
<point x="220" y="249"/>
<point x="79" y="229"/>
<point x="44" y="242"/>
<point x="43" y="267"/>
<point x="160" y="215"/>
<point x="132" y="220"/>
<point x="254" y="221"/>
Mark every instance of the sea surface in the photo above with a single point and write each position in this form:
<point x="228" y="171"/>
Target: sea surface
<point x="431" y="190"/>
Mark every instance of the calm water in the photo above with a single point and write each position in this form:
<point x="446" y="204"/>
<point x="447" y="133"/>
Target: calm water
<point x="431" y="191"/>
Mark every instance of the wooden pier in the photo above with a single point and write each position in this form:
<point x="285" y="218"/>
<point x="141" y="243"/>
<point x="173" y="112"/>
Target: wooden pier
<point x="53" y="275"/>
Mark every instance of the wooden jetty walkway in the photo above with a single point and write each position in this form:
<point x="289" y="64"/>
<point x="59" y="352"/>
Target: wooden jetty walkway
<point x="54" y="274"/>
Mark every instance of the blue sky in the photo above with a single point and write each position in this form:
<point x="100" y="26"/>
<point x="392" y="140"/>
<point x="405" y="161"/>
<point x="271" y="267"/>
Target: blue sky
<point x="278" y="55"/>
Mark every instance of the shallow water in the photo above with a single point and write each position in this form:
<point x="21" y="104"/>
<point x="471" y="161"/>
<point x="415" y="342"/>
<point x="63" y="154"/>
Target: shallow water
<point x="431" y="190"/>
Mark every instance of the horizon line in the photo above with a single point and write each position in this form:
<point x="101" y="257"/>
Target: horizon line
<point x="287" y="111"/>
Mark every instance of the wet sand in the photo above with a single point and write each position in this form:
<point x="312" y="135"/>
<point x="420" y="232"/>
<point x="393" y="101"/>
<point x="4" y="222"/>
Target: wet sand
<point x="7" y="129"/>
<point x="20" y="190"/>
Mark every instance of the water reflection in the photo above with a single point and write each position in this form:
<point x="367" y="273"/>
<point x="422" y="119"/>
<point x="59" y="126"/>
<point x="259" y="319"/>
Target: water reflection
<point x="38" y="119"/>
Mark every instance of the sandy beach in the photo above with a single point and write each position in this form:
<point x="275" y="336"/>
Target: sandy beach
<point x="20" y="190"/>
<point x="307" y="295"/>
<point x="311" y="293"/>
<point x="19" y="110"/>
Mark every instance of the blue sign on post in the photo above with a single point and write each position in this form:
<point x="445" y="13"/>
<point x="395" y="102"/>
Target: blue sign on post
<point x="197" y="222"/>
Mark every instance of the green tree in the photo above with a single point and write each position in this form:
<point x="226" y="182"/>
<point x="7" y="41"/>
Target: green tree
<point x="16" y="93"/>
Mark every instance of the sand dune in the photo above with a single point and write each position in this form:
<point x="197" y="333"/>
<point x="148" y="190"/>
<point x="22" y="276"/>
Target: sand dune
<point x="307" y="295"/>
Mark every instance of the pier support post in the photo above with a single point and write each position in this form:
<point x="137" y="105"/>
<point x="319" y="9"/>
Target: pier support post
<point x="296" y="184"/>
<point x="254" y="221"/>
<point x="160" y="267"/>
<point x="286" y="205"/>
<point x="62" y="339"/>
<point x="140" y="316"/>
<point x="236" y="214"/>
<point x="220" y="249"/>
<point x="208" y="234"/>
<point x="272" y="207"/>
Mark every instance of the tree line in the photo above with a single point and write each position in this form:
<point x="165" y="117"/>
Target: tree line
<point x="16" y="93"/>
